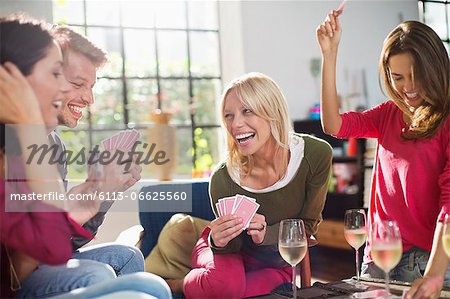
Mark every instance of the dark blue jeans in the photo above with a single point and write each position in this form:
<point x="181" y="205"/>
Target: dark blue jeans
<point x="88" y="266"/>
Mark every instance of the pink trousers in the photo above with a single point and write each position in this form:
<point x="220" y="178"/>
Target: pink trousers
<point x="229" y="275"/>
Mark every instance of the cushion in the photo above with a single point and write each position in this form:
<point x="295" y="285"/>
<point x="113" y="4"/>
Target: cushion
<point x="171" y="257"/>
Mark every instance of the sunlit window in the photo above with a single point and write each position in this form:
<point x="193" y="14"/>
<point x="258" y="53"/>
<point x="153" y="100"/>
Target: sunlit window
<point x="163" y="55"/>
<point x="436" y="14"/>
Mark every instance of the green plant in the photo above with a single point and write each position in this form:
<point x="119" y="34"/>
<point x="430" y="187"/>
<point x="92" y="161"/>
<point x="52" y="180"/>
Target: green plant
<point x="203" y="161"/>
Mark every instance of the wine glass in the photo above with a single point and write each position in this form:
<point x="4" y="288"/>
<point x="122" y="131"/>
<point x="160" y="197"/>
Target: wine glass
<point x="292" y="244"/>
<point x="355" y="232"/>
<point x="386" y="247"/>
<point x="446" y="235"/>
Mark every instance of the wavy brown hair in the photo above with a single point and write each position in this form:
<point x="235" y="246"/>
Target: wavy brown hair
<point x="431" y="68"/>
<point x="263" y="96"/>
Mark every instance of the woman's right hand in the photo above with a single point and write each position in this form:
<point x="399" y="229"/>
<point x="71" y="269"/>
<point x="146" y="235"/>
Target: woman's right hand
<point x="17" y="98"/>
<point x="329" y="33"/>
<point x="225" y="228"/>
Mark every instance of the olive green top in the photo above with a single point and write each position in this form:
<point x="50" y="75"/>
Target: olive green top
<point x="303" y="197"/>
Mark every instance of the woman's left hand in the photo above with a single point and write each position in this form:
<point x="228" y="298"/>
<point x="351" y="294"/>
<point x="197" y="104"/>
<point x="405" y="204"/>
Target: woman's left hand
<point x="426" y="288"/>
<point x="257" y="228"/>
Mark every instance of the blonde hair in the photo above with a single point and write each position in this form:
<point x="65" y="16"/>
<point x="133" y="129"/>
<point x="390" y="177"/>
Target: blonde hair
<point x="264" y="97"/>
<point x="431" y="68"/>
<point x="70" y="40"/>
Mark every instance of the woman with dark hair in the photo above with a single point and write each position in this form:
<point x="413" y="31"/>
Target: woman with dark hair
<point x="411" y="179"/>
<point x="24" y="42"/>
<point x="28" y="47"/>
<point x="31" y="231"/>
<point x="31" y="90"/>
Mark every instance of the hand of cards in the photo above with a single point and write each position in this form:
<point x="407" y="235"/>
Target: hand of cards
<point x="239" y="205"/>
<point x="123" y="140"/>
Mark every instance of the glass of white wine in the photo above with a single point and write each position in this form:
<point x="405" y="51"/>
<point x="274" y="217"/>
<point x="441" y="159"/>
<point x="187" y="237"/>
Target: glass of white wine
<point x="386" y="247"/>
<point x="355" y="232"/>
<point x="292" y="244"/>
<point x="446" y="235"/>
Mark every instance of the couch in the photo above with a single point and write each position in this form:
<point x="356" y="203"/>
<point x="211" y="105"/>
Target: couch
<point x="153" y="222"/>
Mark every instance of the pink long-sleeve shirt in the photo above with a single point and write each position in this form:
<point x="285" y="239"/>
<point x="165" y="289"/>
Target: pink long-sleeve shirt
<point x="44" y="236"/>
<point x="411" y="179"/>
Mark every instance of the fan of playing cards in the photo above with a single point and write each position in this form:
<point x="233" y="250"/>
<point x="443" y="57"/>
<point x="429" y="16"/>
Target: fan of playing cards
<point x="123" y="140"/>
<point x="239" y="205"/>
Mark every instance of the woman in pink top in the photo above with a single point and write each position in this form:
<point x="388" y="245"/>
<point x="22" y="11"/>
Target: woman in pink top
<point x="411" y="179"/>
<point x="31" y="90"/>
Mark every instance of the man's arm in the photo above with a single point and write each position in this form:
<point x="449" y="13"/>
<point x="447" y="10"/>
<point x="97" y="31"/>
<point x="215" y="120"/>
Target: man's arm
<point x="92" y="225"/>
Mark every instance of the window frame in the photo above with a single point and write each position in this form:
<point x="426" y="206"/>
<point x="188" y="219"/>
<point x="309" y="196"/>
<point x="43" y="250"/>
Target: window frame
<point x="446" y="5"/>
<point x="91" y="128"/>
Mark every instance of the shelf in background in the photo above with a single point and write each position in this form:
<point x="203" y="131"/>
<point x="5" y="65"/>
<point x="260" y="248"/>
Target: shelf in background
<point x="344" y="159"/>
<point x="349" y="174"/>
<point x="340" y="194"/>
<point x="337" y="203"/>
<point x="331" y="234"/>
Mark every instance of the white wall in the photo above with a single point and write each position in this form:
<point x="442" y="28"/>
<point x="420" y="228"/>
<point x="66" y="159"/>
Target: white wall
<point x="278" y="39"/>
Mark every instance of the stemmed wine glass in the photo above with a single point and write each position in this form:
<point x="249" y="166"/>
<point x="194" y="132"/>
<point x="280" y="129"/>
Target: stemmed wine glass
<point x="355" y="232"/>
<point x="386" y="247"/>
<point x="292" y="244"/>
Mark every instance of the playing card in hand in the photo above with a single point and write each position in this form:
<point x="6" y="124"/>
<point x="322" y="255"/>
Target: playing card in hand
<point x="246" y="209"/>
<point x="239" y="205"/>
<point x="124" y="140"/>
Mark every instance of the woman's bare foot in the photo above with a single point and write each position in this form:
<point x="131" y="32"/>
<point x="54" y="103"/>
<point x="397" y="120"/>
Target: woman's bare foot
<point x="175" y="285"/>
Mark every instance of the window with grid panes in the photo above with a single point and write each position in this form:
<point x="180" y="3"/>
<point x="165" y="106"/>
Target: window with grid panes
<point x="163" y="55"/>
<point x="436" y="14"/>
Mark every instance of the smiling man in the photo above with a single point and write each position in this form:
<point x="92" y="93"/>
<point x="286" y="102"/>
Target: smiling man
<point x="80" y="72"/>
<point x="81" y="61"/>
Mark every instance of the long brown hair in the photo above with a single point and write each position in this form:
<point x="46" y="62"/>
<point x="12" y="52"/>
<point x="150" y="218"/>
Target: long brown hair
<point x="431" y="68"/>
<point x="23" y="41"/>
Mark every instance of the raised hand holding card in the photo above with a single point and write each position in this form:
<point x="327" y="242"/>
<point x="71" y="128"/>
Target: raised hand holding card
<point x="340" y="9"/>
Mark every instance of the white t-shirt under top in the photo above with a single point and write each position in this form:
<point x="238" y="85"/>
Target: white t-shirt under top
<point x="296" y="147"/>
